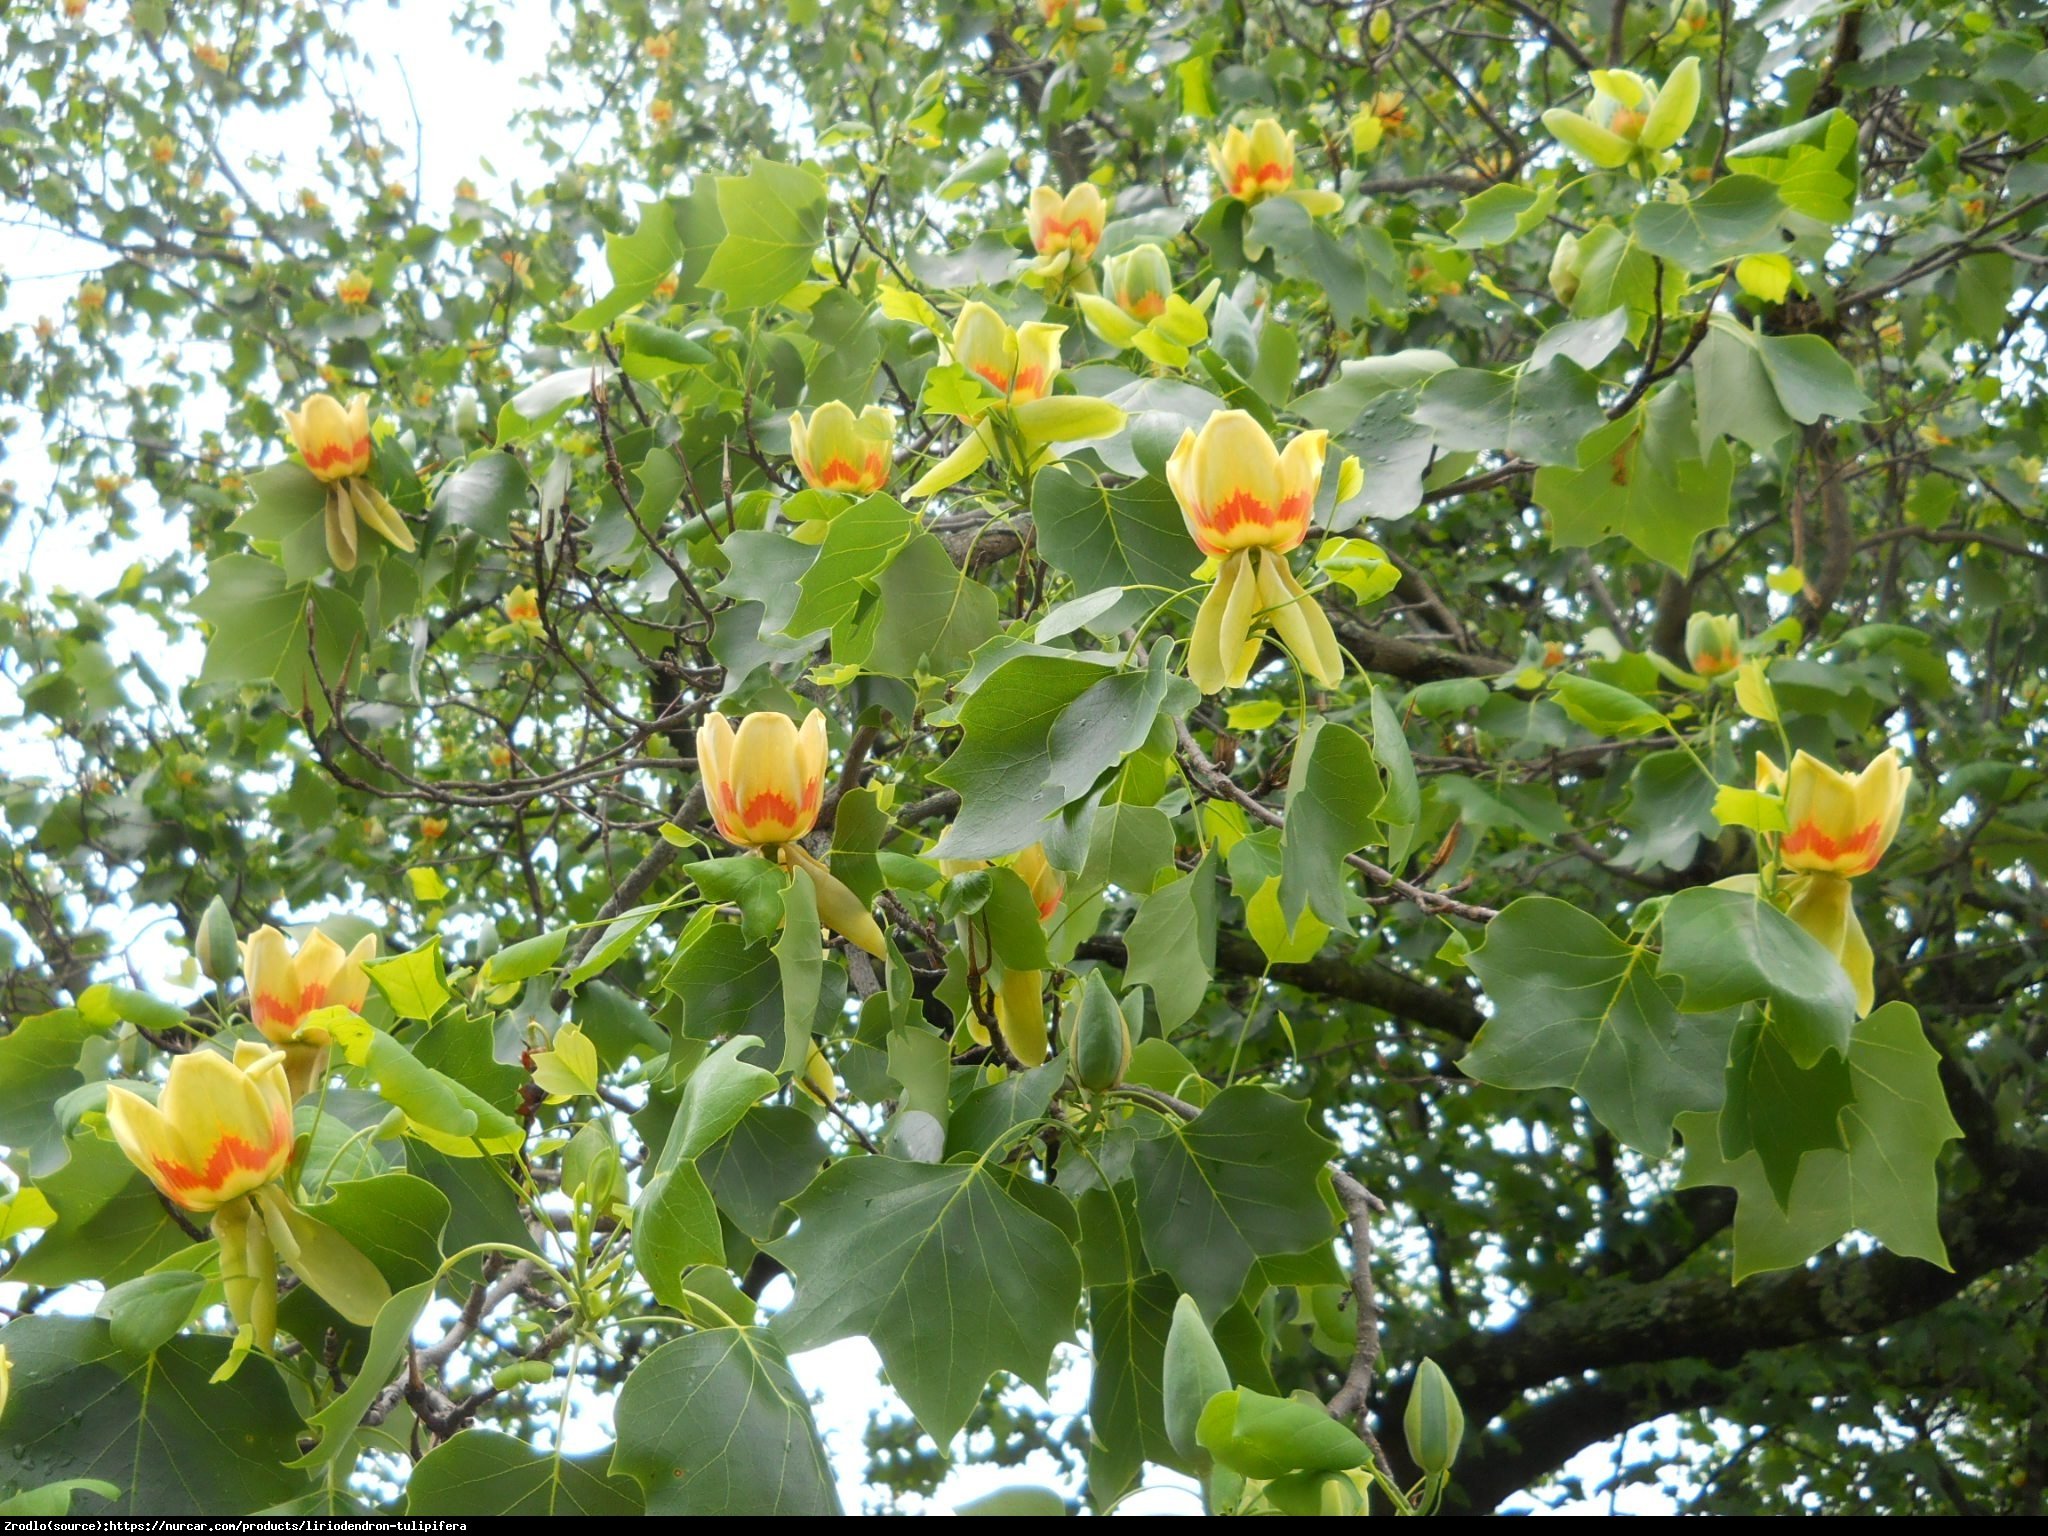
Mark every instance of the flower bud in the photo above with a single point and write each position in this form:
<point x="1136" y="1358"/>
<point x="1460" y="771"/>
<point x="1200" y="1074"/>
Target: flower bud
<point x="1140" y="282"/>
<point x="1713" y="643"/>
<point x="1102" y="1037"/>
<point x="1564" y="270"/>
<point x="214" y="944"/>
<point x="1434" y="1423"/>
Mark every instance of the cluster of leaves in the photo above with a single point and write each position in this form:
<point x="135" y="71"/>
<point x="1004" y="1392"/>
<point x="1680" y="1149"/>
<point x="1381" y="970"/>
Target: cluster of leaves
<point x="1586" y="407"/>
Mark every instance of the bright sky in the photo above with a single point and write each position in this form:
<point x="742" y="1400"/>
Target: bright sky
<point x="43" y="270"/>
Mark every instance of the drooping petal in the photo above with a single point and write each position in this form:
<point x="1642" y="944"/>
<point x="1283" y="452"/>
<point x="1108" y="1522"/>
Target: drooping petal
<point x="373" y="509"/>
<point x="1300" y="621"/>
<point x="1068" y="419"/>
<point x="341" y="529"/>
<point x="1235" y="638"/>
<point x="1020" y="1012"/>
<point x="954" y="467"/>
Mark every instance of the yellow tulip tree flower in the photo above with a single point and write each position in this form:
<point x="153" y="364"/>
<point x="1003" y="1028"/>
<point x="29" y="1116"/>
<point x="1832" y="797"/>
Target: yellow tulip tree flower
<point x="1018" y="995"/>
<point x="1837" y="823"/>
<point x="1837" y="826"/>
<point x="1254" y="165"/>
<point x="220" y="1129"/>
<point x="334" y="440"/>
<point x="1022" y="418"/>
<point x="1066" y="229"/>
<point x="838" y="451"/>
<point x="765" y="783"/>
<point x="521" y="607"/>
<point x="1143" y="312"/>
<point x="284" y="989"/>
<point x="216" y="1142"/>
<point x="1629" y="120"/>
<point x="1247" y="504"/>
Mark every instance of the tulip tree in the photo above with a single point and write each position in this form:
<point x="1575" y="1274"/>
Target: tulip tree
<point x="1311" y="724"/>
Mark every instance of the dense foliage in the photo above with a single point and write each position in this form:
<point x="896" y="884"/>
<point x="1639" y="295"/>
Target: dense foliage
<point x="1382" y="668"/>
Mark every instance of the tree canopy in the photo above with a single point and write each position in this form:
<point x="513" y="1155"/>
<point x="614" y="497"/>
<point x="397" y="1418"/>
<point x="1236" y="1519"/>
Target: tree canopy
<point x="1314" y="722"/>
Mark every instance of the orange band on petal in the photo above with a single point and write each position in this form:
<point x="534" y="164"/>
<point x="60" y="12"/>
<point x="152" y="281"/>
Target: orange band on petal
<point x="229" y="1154"/>
<point x="769" y="806"/>
<point x="995" y="377"/>
<point x="1808" y="839"/>
<point x="334" y="455"/>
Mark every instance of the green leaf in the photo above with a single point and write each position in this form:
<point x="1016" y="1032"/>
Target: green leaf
<point x="774" y="218"/>
<point x="38" y="1066"/>
<point x="1778" y="1109"/>
<point x="259" y="631"/>
<point x="1333" y="795"/>
<point x="1605" y="709"/>
<point x="1501" y="213"/>
<point x="54" y="1499"/>
<point x="145" y="1313"/>
<point x="1670" y="810"/>
<point x="1735" y="394"/>
<point x="988" y="1117"/>
<point x="637" y="262"/>
<point x="1730" y="947"/>
<point x="1811" y="162"/>
<point x="946" y="1267"/>
<point x="110" y="1223"/>
<point x="153" y="1425"/>
<point x="1638" y="477"/>
<point x="484" y="495"/>
<point x="1003" y="766"/>
<point x="1575" y="1007"/>
<point x="715" y="1424"/>
<point x="1812" y="379"/>
<point x="1132" y="536"/>
<point x="800" y="967"/>
<point x="613" y="944"/>
<point x="1306" y="249"/>
<point x="1539" y="414"/>
<point x="1240" y="1182"/>
<point x="1615" y="272"/>
<point x="1882" y="1183"/>
<point x="528" y="957"/>
<point x="414" y="983"/>
<point x="1172" y="944"/>
<point x="1129" y="846"/>
<point x="390" y="1336"/>
<point x="290" y="511"/>
<point x="764" y="1160"/>
<point x="859" y="543"/>
<point x="481" y="1472"/>
<point x="1734" y="217"/>
<point x="728" y="987"/>
<point x="927" y="616"/>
